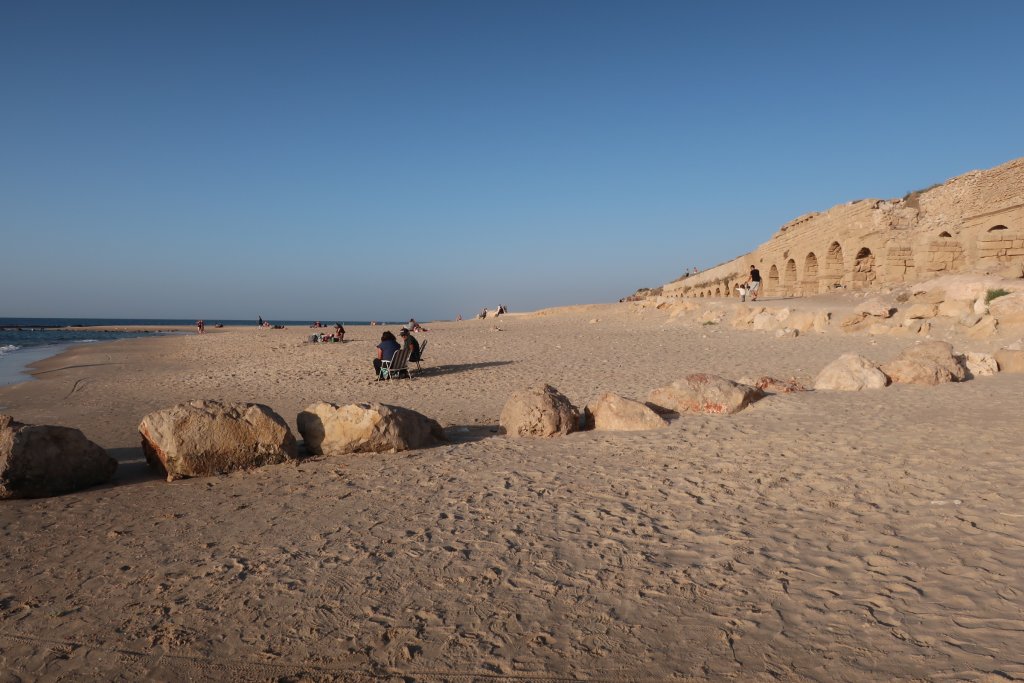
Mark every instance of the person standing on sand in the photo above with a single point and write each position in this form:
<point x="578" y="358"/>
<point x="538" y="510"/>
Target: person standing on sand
<point x="260" y="323"/>
<point x="754" y="283"/>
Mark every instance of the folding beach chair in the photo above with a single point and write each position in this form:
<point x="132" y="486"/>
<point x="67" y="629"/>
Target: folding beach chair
<point x="423" y="348"/>
<point x="398" y="364"/>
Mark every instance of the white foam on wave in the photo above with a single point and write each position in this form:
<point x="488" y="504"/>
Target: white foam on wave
<point x="86" y="341"/>
<point x="9" y="347"/>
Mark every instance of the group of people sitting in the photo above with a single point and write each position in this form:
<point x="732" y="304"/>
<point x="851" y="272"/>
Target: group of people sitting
<point x="502" y="310"/>
<point x="389" y="346"/>
<point x="337" y="336"/>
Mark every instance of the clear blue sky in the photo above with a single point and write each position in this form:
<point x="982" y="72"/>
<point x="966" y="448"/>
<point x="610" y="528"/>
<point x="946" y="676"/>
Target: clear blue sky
<point x="357" y="160"/>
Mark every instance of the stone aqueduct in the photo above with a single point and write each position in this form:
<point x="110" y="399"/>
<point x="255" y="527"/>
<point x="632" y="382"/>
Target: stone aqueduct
<point x="972" y="223"/>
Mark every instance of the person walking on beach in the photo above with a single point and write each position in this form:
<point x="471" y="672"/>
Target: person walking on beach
<point x="385" y="350"/>
<point x="200" y="326"/>
<point x="754" y="283"/>
<point x="260" y="323"/>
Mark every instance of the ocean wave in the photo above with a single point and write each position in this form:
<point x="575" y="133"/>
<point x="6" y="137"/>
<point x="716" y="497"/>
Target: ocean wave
<point x="85" y="341"/>
<point x="9" y="347"/>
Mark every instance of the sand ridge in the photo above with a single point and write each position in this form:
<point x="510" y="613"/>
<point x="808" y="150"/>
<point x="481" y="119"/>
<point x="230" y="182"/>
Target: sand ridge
<point x="814" y="536"/>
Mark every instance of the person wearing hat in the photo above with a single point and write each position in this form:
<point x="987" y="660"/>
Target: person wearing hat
<point x="407" y="341"/>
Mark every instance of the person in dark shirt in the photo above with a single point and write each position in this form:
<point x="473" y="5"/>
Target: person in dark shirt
<point x="754" y="283"/>
<point x="385" y="350"/>
<point x="407" y="341"/>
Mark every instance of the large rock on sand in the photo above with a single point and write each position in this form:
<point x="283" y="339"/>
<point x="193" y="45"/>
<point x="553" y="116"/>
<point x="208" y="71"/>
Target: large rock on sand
<point x="927" y="363"/>
<point x="612" y="412"/>
<point x="1010" y="360"/>
<point x="43" y="460"/>
<point x="850" y="372"/>
<point x="701" y="393"/>
<point x="1008" y="310"/>
<point x="980" y="364"/>
<point x="202" y="438"/>
<point x="539" y="411"/>
<point x="329" y="429"/>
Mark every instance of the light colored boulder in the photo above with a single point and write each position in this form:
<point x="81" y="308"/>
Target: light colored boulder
<point x="787" y="332"/>
<point x="922" y="311"/>
<point x="980" y="364"/>
<point x="711" y="317"/>
<point x="928" y="296"/>
<point x="539" y="411"/>
<point x="702" y="393"/>
<point x="879" y="328"/>
<point x="980" y="306"/>
<point x="931" y="362"/>
<point x="330" y="429"/>
<point x="612" y="412"/>
<point x="955" y="309"/>
<point x="802" y="321"/>
<point x="774" y="386"/>
<point x="203" y="438"/>
<point x="969" y="320"/>
<point x="850" y="372"/>
<point x="875" y="308"/>
<point x="744" y="317"/>
<point x="37" y="461"/>
<point x="1008" y="310"/>
<point x="984" y="329"/>
<point x="765" y="320"/>
<point x="1010" y="360"/>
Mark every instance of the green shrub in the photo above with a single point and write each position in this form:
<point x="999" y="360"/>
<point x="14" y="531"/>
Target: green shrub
<point x="994" y="294"/>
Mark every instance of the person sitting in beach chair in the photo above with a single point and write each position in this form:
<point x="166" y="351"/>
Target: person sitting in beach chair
<point x="385" y="351"/>
<point x="411" y="343"/>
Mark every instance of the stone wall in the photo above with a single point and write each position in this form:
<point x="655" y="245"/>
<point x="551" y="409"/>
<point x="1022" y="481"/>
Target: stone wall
<point x="972" y="223"/>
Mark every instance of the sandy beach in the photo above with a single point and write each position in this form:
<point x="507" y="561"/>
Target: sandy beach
<point x="827" y="536"/>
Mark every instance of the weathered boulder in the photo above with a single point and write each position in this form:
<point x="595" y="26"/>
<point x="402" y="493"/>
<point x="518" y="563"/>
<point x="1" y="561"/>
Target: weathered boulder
<point x="930" y="362"/>
<point x="202" y="438"/>
<point x="329" y="429"/>
<point x="980" y="364"/>
<point x="539" y="411"/>
<point x="45" y="460"/>
<point x="1010" y="360"/>
<point x="772" y="385"/>
<point x="701" y="393"/>
<point x="984" y="329"/>
<point x="922" y="311"/>
<point x="612" y="412"/>
<point x="875" y="308"/>
<point x="955" y="308"/>
<point x="850" y="372"/>
<point x="1008" y="310"/>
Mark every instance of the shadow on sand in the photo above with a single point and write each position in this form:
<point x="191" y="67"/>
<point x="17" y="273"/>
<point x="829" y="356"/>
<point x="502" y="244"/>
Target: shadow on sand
<point x="132" y="467"/>
<point x="435" y="370"/>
